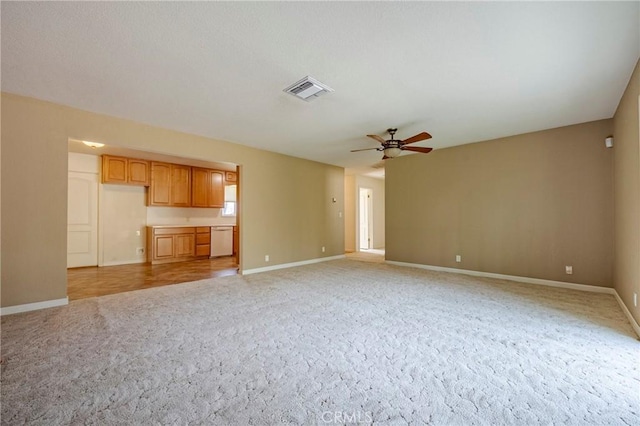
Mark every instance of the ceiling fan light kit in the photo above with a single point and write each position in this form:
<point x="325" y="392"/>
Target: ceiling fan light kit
<point x="392" y="152"/>
<point x="393" y="147"/>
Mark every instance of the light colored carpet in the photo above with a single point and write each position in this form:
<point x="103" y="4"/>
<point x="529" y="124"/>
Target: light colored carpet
<point x="336" y="342"/>
<point x="376" y="256"/>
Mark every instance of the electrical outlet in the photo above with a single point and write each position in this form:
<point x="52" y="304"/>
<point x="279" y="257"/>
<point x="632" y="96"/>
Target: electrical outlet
<point x="323" y="249"/>
<point x="138" y="233"/>
<point x="458" y="258"/>
<point x="266" y="257"/>
<point x="568" y="270"/>
<point x="635" y="299"/>
<point x="140" y="250"/>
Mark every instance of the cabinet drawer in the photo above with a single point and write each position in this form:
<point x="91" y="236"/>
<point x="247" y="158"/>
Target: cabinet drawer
<point x="203" y="250"/>
<point x="203" y="238"/>
<point x="203" y="229"/>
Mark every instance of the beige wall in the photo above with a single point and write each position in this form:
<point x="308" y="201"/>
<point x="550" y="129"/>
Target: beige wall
<point x="626" y="166"/>
<point x="287" y="210"/>
<point x="525" y="205"/>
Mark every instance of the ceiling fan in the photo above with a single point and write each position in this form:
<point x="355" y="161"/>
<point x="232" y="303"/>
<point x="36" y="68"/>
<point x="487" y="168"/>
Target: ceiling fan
<point x="392" y="147"/>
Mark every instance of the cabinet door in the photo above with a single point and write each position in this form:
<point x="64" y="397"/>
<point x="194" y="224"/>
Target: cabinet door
<point x="163" y="247"/>
<point x="180" y="185"/>
<point x="138" y="172"/>
<point x="231" y="177"/>
<point x="160" y="190"/>
<point x="114" y="169"/>
<point x="200" y="187"/>
<point x="184" y="245"/>
<point x="216" y="193"/>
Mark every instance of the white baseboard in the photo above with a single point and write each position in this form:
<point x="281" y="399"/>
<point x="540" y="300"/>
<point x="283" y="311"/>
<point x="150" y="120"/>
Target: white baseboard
<point x="290" y="265"/>
<point x="123" y="262"/>
<point x="33" y="306"/>
<point x="626" y="311"/>
<point x="527" y="280"/>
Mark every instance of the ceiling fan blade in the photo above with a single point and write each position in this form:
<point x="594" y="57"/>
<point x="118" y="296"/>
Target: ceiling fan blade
<point x="417" y="149"/>
<point x="417" y="138"/>
<point x="376" y="137"/>
<point x="365" y="149"/>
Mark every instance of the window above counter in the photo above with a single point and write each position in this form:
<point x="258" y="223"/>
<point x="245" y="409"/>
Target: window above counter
<point x="229" y="209"/>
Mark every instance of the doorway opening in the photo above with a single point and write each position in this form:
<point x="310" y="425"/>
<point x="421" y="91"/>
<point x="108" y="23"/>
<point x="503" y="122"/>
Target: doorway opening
<point x="109" y="249"/>
<point x="365" y="220"/>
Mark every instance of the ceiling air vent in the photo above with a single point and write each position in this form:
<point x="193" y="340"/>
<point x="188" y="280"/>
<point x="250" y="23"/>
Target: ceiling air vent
<point x="308" y="89"/>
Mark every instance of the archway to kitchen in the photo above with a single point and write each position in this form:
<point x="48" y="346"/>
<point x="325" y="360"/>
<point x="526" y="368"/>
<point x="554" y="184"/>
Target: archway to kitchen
<point x="146" y="236"/>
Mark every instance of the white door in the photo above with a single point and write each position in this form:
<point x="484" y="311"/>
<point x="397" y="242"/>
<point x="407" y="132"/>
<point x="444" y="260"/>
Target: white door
<point x="365" y="221"/>
<point x="82" y="220"/>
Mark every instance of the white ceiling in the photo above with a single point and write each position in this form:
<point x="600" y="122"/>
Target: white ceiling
<point x="464" y="72"/>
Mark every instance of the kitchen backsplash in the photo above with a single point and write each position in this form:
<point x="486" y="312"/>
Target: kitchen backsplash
<point x="187" y="216"/>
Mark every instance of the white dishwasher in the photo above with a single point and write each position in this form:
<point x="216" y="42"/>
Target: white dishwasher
<point x="221" y="241"/>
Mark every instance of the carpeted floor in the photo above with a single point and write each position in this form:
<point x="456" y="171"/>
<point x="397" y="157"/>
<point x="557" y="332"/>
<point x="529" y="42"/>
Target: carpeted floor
<point x="339" y="342"/>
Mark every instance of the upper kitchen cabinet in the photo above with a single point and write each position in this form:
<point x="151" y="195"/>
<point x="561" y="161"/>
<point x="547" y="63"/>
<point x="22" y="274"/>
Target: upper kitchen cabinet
<point x="138" y="172"/>
<point x="230" y="177"/>
<point x="170" y="185"/>
<point x="207" y="189"/>
<point x="180" y="185"/>
<point x="160" y="189"/>
<point x="122" y="170"/>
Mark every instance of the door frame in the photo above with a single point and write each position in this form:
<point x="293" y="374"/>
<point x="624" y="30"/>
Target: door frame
<point x="365" y="214"/>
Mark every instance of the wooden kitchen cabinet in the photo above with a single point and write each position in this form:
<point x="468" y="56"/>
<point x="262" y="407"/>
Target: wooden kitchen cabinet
<point x="207" y="189"/>
<point x="230" y="177"/>
<point x="160" y="189"/>
<point x="170" y="185"/>
<point x="126" y="171"/>
<point x="203" y="241"/>
<point x="217" y="189"/>
<point x="138" y="172"/>
<point x="114" y="169"/>
<point x="180" y="185"/>
<point x="170" y="244"/>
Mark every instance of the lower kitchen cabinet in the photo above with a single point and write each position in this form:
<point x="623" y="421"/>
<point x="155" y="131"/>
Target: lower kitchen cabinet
<point x="203" y="241"/>
<point x="170" y="244"/>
